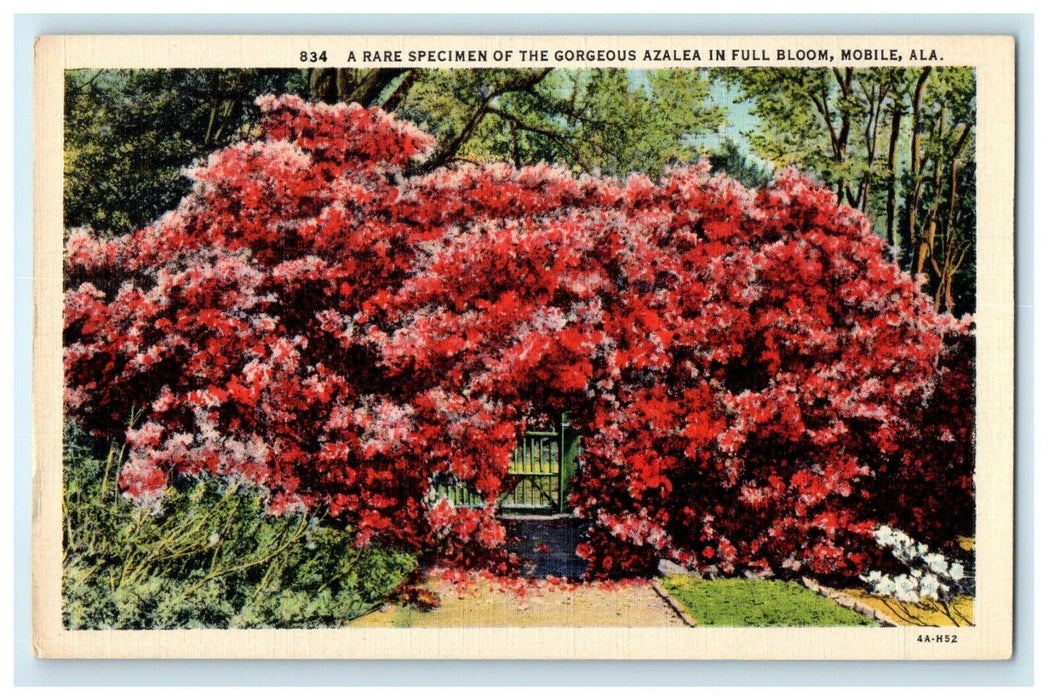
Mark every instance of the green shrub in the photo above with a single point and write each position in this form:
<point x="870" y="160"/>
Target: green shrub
<point x="209" y="556"/>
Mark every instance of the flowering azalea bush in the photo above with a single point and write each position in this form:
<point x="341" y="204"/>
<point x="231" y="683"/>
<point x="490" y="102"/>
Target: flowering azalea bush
<point x="784" y="393"/>
<point x="757" y="387"/>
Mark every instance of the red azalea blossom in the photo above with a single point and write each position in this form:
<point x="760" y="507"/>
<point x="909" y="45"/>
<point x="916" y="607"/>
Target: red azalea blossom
<point x="755" y="384"/>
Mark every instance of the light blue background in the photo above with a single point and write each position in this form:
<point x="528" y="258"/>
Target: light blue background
<point x="32" y="671"/>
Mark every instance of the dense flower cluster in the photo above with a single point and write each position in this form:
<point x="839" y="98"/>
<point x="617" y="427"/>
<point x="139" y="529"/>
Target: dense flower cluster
<point x="757" y="387"/>
<point x="928" y="575"/>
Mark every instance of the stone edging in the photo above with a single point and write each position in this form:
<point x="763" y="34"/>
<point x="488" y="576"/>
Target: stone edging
<point x="677" y="607"/>
<point x="849" y="602"/>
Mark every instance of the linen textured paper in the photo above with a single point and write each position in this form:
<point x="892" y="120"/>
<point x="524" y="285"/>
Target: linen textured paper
<point x="610" y="347"/>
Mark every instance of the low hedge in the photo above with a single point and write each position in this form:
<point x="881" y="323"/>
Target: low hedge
<point x="208" y="555"/>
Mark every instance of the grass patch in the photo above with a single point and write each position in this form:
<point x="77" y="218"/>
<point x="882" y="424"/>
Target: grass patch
<point x="753" y="603"/>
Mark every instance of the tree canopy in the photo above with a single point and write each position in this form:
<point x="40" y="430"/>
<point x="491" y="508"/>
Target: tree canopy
<point x="129" y="135"/>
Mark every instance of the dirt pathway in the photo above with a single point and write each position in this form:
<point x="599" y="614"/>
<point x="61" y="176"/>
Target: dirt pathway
<point x="483" y="604"/>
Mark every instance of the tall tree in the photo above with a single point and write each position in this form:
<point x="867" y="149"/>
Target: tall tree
<point x="848" y="127"/>
<point x="129" y="134"/>
<point x="941" y="180"/>
<point x="612" y="122"/>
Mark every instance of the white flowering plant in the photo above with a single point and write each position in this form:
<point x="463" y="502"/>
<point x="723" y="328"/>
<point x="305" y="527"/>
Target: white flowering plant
<point x="929" y="584"/>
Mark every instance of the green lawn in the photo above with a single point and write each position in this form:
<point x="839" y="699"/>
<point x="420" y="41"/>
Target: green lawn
<point x="750" y="603"/>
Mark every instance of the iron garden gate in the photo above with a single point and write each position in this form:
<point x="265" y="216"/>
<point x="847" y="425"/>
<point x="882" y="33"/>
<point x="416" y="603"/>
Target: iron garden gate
<point x="539" y="475"/>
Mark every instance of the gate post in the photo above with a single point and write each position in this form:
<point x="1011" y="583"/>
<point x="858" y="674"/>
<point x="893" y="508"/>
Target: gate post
<point x="569" y="453"/>
<point x="560" y="469"/>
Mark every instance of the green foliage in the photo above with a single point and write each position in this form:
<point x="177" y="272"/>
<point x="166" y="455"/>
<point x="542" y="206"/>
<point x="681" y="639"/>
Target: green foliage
<point x="209" y="556"/>
<point x="939" y="218"/>
<point x="612" y="122"/>
<point x="730" y="159"/>
<point x="648" y="120"/>
<point x="129" y="134"/>
<point x="835" y="123"/>
<point x="896" y="143"/>
<point x="758" y="603"/>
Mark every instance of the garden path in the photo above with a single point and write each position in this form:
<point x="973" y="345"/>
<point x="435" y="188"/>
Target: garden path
<point x="483" y="603"/>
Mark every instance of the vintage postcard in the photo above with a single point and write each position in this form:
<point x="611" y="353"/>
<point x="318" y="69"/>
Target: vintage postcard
<point x="584" y="347"/>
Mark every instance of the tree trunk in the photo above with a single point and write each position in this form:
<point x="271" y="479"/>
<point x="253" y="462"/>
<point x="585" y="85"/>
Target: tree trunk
<point x="915" y="167"/>
<point x="365" y="87"/>
<point x="400" y="93"/>
<point x="322" y="84"/>
<point x="949" y="266"/>
<point x="369" y="90"/>
<point x="449" y="150"/>
<point x="926" y="249"/>
<point x="891" y="168"/>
